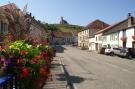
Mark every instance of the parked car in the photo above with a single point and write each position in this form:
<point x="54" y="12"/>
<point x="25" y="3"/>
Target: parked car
<point x="109" y="51"/>
<point x="123" y="52"/>
<point x="101" y="50"/>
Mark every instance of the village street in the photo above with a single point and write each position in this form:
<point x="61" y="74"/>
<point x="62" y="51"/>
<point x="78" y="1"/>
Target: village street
<point x="89" y="70"/>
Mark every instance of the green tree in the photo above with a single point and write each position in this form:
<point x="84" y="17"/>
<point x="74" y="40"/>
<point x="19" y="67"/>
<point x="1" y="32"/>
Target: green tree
<point x="51" y="27"/>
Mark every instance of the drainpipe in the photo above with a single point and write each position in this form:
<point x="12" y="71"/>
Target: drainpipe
<point x="118" y="39"/>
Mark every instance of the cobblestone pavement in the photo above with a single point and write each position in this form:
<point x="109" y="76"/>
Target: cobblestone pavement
<point x="89" y="70"/>
<point x="58" y="76"/>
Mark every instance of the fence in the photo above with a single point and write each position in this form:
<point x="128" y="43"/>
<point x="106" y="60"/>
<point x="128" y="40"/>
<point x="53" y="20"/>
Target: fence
<point x="9" y="81"/>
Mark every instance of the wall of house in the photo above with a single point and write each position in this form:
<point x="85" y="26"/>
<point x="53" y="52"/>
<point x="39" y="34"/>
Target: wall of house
<point x="37" y="32"/>
<point x="92" y="47"/>
<point x="130" y="33"/>
<point x="98" y="38"/>
<point x="91" y="44"/>
<point x="111" y="39"/>
<point x="68" y="40"/>
<point x="58" y="40"/>
<point x="105" y="40"/>
<point x="83" y="38"/>
<point x="120" y="41"/>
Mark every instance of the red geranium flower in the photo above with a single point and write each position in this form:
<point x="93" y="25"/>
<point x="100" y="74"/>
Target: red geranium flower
<point x="25" y="72"/>
<point x="44" y="71"/>
<point x="39" y="56"/>
<point x="47" y="60"/>
<point x="46" y="42"/>
<point x="44" y="54"/>
<point x="22" y="52"/>
<point x="34" y="60"/>
<point x="21" y="60"/>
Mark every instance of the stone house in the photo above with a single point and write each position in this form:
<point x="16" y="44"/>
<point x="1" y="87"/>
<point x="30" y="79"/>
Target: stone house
<point x="37" y="30"/>
<point x="4" y="25"/>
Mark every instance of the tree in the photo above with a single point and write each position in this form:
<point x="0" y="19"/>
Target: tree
<point x="19" y="23"/>
<point x="51" y="27"/>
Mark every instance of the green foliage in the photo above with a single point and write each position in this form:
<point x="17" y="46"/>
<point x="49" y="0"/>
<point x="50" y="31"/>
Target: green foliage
<point x="51" y="27"/>
<point x="43" y="47"/>
<point x="68" y="27"/>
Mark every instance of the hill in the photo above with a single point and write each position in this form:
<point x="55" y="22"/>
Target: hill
<point x="68" y="27"/>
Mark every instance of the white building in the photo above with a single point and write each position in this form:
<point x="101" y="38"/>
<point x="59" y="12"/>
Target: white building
<point x="120" y="34"/>
<point x="86" y="38"/>
<point x="94" y="40"/>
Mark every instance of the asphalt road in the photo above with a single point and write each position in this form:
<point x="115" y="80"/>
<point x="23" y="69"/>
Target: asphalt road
<point x="89" y="70"/>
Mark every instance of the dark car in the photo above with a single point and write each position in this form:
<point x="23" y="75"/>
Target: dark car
<point x="102" y="50"/>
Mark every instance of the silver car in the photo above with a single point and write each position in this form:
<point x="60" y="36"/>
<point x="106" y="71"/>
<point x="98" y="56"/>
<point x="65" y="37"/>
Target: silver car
<point x="123" y="52"/>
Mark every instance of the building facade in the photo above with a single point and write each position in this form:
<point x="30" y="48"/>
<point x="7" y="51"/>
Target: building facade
<point x="120" y="34"/>
<point x="37" y="31"/>
<point x="86" y="38"/>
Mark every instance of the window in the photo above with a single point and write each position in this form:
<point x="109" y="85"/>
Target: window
<point x="114" y="37"/>
<point x="96" y="38"/>
<point x="99" y="38"/>
<point x="3" y="28"/>
<point x="104" y="38"/>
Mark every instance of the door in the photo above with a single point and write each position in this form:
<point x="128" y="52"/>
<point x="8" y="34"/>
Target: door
<point x="133" y="46"/>
<point x="96" y="46"/>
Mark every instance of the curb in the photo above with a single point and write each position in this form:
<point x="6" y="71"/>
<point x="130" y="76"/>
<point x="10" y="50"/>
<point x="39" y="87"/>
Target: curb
<point x="69" y="84"/>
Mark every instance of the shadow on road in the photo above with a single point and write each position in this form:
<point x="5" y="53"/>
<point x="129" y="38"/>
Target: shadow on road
<point x="71" y="79"/>
<point x="55" y="65"/>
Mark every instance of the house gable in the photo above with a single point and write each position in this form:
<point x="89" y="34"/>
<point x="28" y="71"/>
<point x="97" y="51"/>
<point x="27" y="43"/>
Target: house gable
<point x="95" y="26"/>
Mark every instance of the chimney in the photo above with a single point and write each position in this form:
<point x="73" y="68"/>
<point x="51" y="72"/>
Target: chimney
<point x="30" y="14"/>
<point x="33" y="17"/>
<point x="130" y="20"/>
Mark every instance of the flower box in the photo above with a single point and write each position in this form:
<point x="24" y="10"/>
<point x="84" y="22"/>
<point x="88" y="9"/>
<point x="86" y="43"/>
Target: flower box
<point x="30" y="63"/>
<point x="133" y="37"/>
<point x="124" y="39"/>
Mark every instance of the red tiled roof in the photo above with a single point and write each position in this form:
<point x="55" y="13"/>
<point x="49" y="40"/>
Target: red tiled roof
<point x="97" y="24"/>
<point x="57" y="34"/>
<point x="109" y="27"/>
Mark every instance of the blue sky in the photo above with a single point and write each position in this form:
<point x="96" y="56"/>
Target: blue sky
<point x="80" y="12"/>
